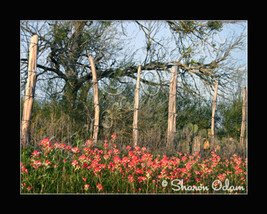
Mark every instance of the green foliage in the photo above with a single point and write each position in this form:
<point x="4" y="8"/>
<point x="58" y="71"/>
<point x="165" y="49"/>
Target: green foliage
<point x="188" y="26"/>
<point x="193" y="128"/>
<point x="192" y="110"/>
<point x="203" y="132"/>
<point x="215" y="25"/>
<point x="232" y="118"/>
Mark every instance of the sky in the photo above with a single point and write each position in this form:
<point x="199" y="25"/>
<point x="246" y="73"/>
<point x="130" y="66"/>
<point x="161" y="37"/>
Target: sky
<point x="137" y="42"/>
<point x="138" y="38"/>
<point x="229" y="30"/>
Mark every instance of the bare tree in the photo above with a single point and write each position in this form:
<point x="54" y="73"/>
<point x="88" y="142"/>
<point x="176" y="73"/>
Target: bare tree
<point x="65" y="44"/>
<point x="198" y="54"/>
<point x="201" y="55"/>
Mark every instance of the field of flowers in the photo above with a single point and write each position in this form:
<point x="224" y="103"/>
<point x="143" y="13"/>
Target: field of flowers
<point x="58" y="168"/>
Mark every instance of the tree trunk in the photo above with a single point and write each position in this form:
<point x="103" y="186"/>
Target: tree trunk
<point x="96" y="103"/>
<point x="136" y="108"/>
<point x="172" y="110"/>
<point x="30" y="88"/>
<point x="213" y="115"/>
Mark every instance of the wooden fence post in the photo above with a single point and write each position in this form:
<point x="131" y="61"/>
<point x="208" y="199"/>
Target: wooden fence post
<point x="136" y="108"/>
<point x="29" y="94"/>
<point x="96" y="103"/>
<point x="172" y="109"/>
<point x="243" y="125"/>
<point x="213" y="115"/>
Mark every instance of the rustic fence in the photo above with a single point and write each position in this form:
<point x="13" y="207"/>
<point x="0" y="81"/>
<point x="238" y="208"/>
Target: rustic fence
<point x="197" y="142"/>
<point x="30" y="89"/>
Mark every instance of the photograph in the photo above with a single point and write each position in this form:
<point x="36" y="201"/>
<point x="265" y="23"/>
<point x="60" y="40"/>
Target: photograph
<point x="133" y="107"/>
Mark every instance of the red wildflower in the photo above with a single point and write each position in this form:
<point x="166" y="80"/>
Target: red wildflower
<point x="45" y="142"/>
<point x="82" y="158"/>
<point x="89" y="143"/>
<point x="221" y="177"/>
<point x="23" y="169"/>
<point x="116" y="151"/>
<point x="116" y="159"/>
<point x="130" y="179"/>
<point x="106" y="156"/>
<point x="57" y="145"/>
<point x="184" y="158"/>
<point x="46" y="163"/>
<point x="113" y="137"/>
<point x="35" y="153"/>
<point x="68" y="148"/>
<point x="97" y="170"/>
<point x="137" y="148"/>
<point x="138" y="171"/>
<point x="102" y="166"/>
<point x="99" y="187"/>
<point x="94" y="163"/>
<point x="75" y="150"/>
<point x="125" y="159"/>
<point x="74" y="163"/>
<point x="36" y="164"/>
<point x="86" y="186"/>
<point x="141" y="179"/>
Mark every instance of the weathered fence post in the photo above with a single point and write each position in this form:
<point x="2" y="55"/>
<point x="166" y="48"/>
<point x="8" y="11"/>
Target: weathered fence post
<point x="136" y="108"/>
<point x="213" y="115"/>
<point x="29" y="94"/>
<point x="243" y="125"/>
<point x="172" y="109"/>
<point x="96" y="103"/>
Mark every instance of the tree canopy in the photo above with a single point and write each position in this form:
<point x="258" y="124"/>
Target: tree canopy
<point x="65" y="45"/>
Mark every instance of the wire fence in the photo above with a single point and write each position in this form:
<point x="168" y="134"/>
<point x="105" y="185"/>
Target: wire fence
<point x="51" y="119"/>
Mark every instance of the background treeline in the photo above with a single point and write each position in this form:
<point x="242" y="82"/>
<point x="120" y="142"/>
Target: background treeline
<point x="52" y="119"/>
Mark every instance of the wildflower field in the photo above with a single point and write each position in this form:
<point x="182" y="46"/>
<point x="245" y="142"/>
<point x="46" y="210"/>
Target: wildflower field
<point x="58" y="168"/>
